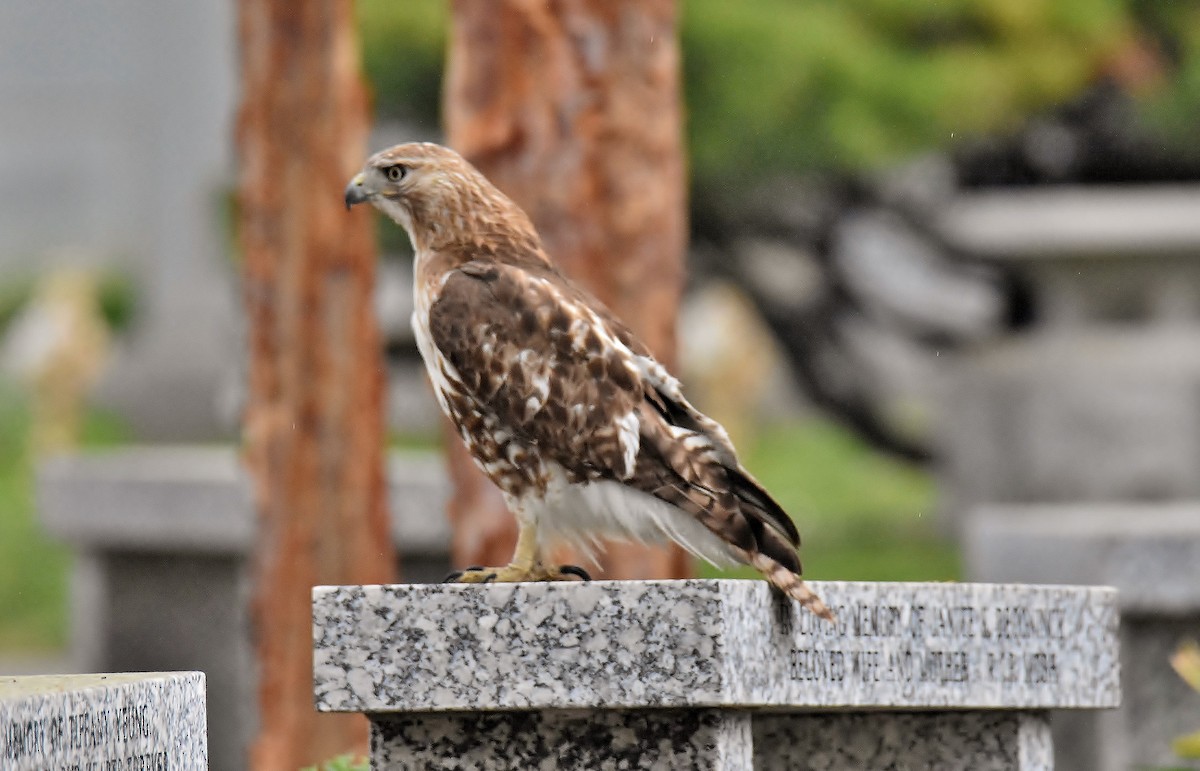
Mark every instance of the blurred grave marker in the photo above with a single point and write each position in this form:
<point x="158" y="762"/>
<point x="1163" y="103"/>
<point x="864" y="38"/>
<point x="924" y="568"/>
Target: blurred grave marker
<point x="1070" y="449"/>
<point x="162" y="538"/>
<point x="123" y="722"/>
<point x="115" y="136"/>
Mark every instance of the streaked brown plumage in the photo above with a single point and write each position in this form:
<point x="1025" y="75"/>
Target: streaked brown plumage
<point x="559" y="404"/>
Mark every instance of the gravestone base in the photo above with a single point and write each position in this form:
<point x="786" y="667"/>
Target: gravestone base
<point x="977" y="740"/>
<point x="713" y="674"/>
<point x="712" y="740"/>
<point x="705" y="740"/>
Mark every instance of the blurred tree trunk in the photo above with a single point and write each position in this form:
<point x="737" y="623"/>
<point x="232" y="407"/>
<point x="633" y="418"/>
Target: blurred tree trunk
<point x="314" y="419"/>
<point x="572" y="107"/>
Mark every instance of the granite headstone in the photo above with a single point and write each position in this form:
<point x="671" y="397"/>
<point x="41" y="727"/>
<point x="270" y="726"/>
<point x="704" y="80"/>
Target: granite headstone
<point x="116" y="722"/>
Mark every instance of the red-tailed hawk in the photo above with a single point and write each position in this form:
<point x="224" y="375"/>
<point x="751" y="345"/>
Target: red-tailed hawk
<point x="559" y="404"/>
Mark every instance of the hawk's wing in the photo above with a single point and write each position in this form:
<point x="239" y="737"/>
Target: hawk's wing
<point x="534" y="359"/>
<point x="542" y="361"/>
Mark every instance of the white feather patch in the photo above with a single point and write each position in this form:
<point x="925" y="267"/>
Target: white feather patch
<point x="434" y="361"/>
<point x="629" y="437"/>
<point x="541" y="384"/>
<point x="580" y="513"/>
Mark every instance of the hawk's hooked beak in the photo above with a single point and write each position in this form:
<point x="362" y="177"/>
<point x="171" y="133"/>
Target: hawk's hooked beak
<point x="356" y="191"/>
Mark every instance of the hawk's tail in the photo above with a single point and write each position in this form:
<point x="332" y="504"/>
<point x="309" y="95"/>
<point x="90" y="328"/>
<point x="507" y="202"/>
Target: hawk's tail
<point x="790" y="584"/>
<point x="776" y="540"/>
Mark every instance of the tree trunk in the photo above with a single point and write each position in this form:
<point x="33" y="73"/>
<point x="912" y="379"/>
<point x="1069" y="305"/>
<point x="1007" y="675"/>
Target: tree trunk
<point x="572" y="108"/>
<point x="314" y="419"/>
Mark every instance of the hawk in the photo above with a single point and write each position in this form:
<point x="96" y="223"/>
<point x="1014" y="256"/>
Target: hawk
<point x="560" y="405"/>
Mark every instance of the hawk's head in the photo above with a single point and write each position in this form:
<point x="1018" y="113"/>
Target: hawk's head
<point x="434" y="194"/>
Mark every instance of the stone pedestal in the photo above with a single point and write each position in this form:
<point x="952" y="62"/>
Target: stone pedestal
<point x="163" y="537"/>
<point x="1090" y="256"/>
<point x="1095" y="399"/>
<point x="120" y="722"/>
<point x="712" y="739"/>
<point x="1151" y="553"/>
<point x="1091" y="415"/>
<point x="712" y="674"/>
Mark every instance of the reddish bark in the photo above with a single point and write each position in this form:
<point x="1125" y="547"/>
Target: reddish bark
<point x="314" y="418"/>
<point x="572" y="107"/>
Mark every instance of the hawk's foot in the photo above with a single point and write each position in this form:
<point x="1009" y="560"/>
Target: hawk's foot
<point x="517" y="573"/>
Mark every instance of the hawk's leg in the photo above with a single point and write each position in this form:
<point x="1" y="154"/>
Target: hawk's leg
<point x="526" y="565"/>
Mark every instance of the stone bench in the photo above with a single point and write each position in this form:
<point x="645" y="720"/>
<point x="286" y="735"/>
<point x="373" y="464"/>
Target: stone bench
<point x="162" y="539"/>
<point x="1151" y="553"/>
<point x="713" y="674"/>
<point x="118" y="722"/>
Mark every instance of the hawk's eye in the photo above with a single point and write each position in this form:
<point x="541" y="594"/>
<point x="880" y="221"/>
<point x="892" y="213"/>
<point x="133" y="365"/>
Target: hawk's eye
<point x="395" y="173"/>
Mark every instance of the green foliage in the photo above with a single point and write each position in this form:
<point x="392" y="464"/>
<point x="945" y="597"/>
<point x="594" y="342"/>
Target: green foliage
<point x="392" y="240"/>
<point x="403" y="47"/>
<point x="1172" y="109"/>
<point x="117" y="299"/>
<point x="13" y="296"/>
<point x="33" y="568"/>
<point x="342" y="763"/>
<point x="778" y="84"/>
<point x="863" y="516"/>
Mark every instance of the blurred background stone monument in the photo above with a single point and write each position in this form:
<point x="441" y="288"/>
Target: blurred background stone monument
<point x="1071" y="449"/>
<point x="114" y="152"/>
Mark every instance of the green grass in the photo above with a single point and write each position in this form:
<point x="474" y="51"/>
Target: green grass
<point x="342" y="763"/>
<point x="863" y="516"/>
<point x="33" y="568"/>
<point x="412" y="441"/>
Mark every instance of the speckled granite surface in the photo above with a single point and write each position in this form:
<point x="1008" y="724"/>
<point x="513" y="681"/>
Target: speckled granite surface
<point x="729" y="740"/>
<point x="603" y="740"/>
<point x="712" y="643"/>
<point x="945" y="741"/>
<point x="122" y="722"/>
